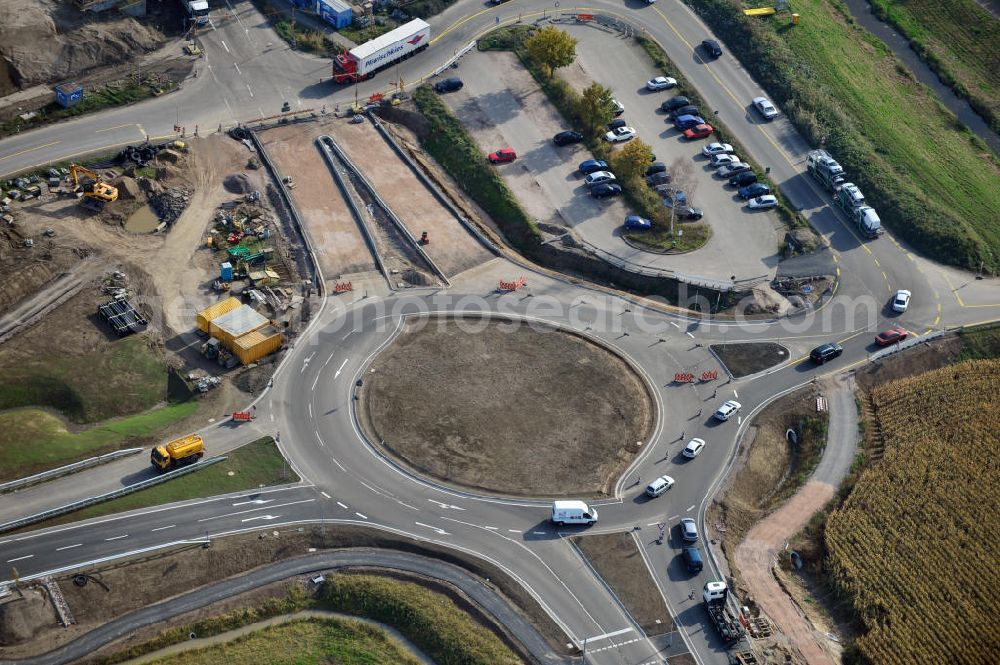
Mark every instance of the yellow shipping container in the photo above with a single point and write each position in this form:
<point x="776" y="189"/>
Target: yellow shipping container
<point x="239" y="322"/>
<point x="206" y="316"/>
<point x="257" y="344"/>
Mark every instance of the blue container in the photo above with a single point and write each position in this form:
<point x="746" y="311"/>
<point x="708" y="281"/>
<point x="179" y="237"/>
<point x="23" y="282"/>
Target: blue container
<point x="226" y="274"/>
<point x="68" y="94"/>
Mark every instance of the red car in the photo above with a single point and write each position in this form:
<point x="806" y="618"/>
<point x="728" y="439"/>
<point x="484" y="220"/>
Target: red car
<point x="502" y="156"/>
<point x="891" y="336"/>
<point x="698" y="131"/>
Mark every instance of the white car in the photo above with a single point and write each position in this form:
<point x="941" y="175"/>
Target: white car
<point x="620" y="134"/>
<point x="765" y="108"/>
<point x="659" y="486"/>
<point x="716" y="149"/>
<point x="901" y="301"/>
<point x="693" y="447"/>
<point x="617" y="107"/>
<point x="763" y="202"/>
<point x="723" y="159"/>
<point x="660" y="83"/>
<point x="727" y="410"/>
<point x="597" y="177"/>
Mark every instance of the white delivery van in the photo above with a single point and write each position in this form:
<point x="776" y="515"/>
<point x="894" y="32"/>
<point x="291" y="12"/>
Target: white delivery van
<point x="572" y="512"/>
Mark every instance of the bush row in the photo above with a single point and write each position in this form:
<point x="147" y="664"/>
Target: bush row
<point x="814" y="110"/>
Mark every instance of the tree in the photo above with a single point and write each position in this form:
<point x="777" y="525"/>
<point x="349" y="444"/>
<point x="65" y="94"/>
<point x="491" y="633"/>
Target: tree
<point x="551" y="48"/>
<point x="630" y="163"/>
<point x="595" y="108"/>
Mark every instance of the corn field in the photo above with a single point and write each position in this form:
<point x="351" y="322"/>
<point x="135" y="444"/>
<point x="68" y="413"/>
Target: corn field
<point x="915" y="545"/>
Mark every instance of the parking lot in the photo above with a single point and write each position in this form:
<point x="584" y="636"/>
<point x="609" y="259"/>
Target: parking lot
<point x="501" y="106"/>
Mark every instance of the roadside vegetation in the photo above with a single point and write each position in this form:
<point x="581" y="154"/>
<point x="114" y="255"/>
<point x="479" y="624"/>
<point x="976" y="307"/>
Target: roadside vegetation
<point x="931" y="180"/>
<point x="298" y="36"/>
<point x="959" y="40"/>
<point x="913" y="545"/>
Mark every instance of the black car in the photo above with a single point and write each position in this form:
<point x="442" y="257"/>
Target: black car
<point x="616" y="123"/>
<point x="674" y="103"/>
<point x="655" y="179"/>
<point x="826" y="352"/>
<point x="656" y="167"/>
<point x="605" y="189"/>
<point x="690" y="109"/>
<point x="689" y="213"/>
<point x="567" y="137"/>
<point x="743" y="179"/>
<point x="711" y="47"/>
<point x="449" y="85"/>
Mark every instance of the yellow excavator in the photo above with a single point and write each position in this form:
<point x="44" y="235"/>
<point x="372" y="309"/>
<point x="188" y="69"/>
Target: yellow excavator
<point x="96" y="193"/>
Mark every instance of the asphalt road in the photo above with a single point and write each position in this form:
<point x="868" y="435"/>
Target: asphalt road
<point x="347" y="481"/>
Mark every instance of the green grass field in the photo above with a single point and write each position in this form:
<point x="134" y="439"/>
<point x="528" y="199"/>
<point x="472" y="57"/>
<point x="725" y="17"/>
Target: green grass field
<point x="959" y="40"/>
<point x="32" y="440"/>
<point x="311" y="640"/>
<point x="659" y="239"/>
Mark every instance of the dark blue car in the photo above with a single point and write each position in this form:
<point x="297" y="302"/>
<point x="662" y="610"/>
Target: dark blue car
<point x="592" y="165"/>
<point x="754" y="190"/>
<point x="688" y="121"/>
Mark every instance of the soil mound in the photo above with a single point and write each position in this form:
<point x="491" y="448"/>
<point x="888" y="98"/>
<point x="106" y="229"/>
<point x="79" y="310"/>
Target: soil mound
<point x="21" y="619"/>
<point x="237" y="183"/>
<point x="128" y="188"/>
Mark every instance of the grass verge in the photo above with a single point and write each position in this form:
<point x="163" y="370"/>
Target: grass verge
<point x="432" y="621"/>
<point x="299" y="37"/>
<point x="931" y="180"/>
<point x="746" y="359"/>
<point x="257" y="464"/>
<point x="959" y="40"/>
<point x="52" y="445"/>
<point x="689" y="237"/>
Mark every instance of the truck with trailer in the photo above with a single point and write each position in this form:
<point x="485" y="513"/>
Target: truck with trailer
<point x="361" y="62"/>
<point x="179" y="452"/>
<point x="715" y="596"/>
<point x="850" y="199"/>
<point x="825" y="168"/>
<point x="198" y="11"/>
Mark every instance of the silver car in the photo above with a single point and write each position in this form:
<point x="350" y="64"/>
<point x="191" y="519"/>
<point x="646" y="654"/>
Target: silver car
<point x="689" y="530"/>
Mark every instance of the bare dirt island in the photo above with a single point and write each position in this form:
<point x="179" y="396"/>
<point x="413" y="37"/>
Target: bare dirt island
<point x="506" y="408"/>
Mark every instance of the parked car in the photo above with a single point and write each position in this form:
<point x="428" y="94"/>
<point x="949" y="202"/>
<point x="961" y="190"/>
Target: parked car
<point x="502" y="156"/>
<point x="688" y="121"/>
<point x="616" y="123"/>
<point x="617" y="107"/>
<point x="901" y="301"/>
<point x="690" y="109"/>
<point x="826" y="352"/>
<point x="763" y="202"/>
<point x="743" y="179"/>
<point x="723" y="159"/>
<point x="659" y="486"/>
<point x="660" y="83"/>
<point x="689" y="213"/>
<point x="655" y="179"/>
<point x="693" y="447"/>
<point x="592" y="165"/>
<point x="605" y="190"/>
<point x="727" y="410"/>
<point x="765" y="108"/>
<point x="730" y="170"/>
<point x="711" y="47"/>
<point x="637" y="222"/>
<point x="656" y="167"/>
<point x="568" y="137"/>
<point x="689" y="529"/>
<point x="699" y="131"/>
<point x="753" y="190"/>
<point x="597" y="177"/>
<point x="448" y="85"/>
<point x="675" y="103"/>
<point x="891" y="336"/>
<point x="620" y="135"/>
<point x="674" y="198"/>
<point x="716" y="149"/>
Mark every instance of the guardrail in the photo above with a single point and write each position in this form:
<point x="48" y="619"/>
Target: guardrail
<point x="450" y="61"/>
<point x="101" y="498"/>
<point x="66" y="470"/>
<point x="902" y="346"/>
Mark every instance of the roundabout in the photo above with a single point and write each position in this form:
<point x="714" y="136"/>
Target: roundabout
<point x="508" y="407"/>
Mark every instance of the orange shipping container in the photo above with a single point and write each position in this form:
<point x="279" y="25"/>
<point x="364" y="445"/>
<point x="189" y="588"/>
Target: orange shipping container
<point x="206" y="316"/>
<point x="239" y="322"/>
<point x="255" y="345"/>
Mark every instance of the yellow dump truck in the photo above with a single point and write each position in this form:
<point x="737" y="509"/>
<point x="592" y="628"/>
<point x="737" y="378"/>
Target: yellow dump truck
<point x="185" y="450"/>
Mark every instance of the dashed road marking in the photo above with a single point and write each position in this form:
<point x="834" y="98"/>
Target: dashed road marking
<point x="361" y="516"/>
<point x="20" y="558"/>
<point x="161" y="528"/>
<point x="342" y="506"/>
<point x="325" y="494"/>
<point x="117" y="537"/>
<point x="68" y="547"/>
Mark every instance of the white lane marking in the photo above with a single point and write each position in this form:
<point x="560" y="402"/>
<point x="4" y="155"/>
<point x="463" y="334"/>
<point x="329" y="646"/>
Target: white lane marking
<point x="690" y="508"/>
<point x="617" y="645"/>
<point x="319" y="439"/>
<point x="311" y="407"/>
<point x="272" y="417"/>
<point x="653" y="524"/>
<point x="224" y="45"/>
<point x="315" y="381"/>
<point x="252" y="502"/>
<point x="341" y="368"/>
<point x="514" y="531"/>
<point x="376" y="490"/>
<point x="249" y="90"/>
<point x="689" y="335"/>
<point x="736" y="394"/>
<point x="361" y="516"/>
<point x="325" y="494"/>
<point x="596" y="638"/>
<point x="68" y="547"/>
<point x="446" y="506"/>
<point x="344" y="338"/>
<point x="672" y="517"/>
<point x="243" y="512"/>
<point x="490" y="528"/>
<point x="335" y="461"/>
<point x="440" y="532"/>
<point x="117" y="537"/>
<point x="675" y="325"/>
<point x="20" y="558"/>
<point x="261" y="517"/>
<point x="161" y="528"/>
<point x="342" y="505"/>
<point x="237" y="66"/>
<point x="739" y="420"/>
<point x="538" y="533"/>
<point x="329" y="359"/>
<point x="406" y="505"/>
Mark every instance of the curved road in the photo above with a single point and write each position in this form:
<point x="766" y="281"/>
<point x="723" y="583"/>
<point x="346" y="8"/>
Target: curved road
<point x="247" y="73"/>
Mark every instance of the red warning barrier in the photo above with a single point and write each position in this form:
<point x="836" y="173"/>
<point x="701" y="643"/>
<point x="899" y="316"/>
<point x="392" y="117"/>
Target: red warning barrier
<point x="584" y="17"/>
<point x="376" y="98"/>
<point x="242" y="416"/>
<point x="511" y="286"/>
<point x="683" y="377"/>
<point x="341" y="287"/>
<point x="709" y="376"/>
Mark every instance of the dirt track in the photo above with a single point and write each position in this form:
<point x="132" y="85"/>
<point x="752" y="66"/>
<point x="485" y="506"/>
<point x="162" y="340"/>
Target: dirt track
<point x="507" y="409"/>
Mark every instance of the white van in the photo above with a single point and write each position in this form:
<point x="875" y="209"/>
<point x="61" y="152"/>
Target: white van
<point x="572" y="512"/>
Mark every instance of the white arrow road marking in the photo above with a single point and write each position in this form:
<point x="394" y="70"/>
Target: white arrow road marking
<point x="341" y="368"/>
<point x="243" y="512"/>
<point x="446" y="506"/>
<point x="440" y="532"/>
<point x="261" y="517"/>
<point x="259" y="502"/>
